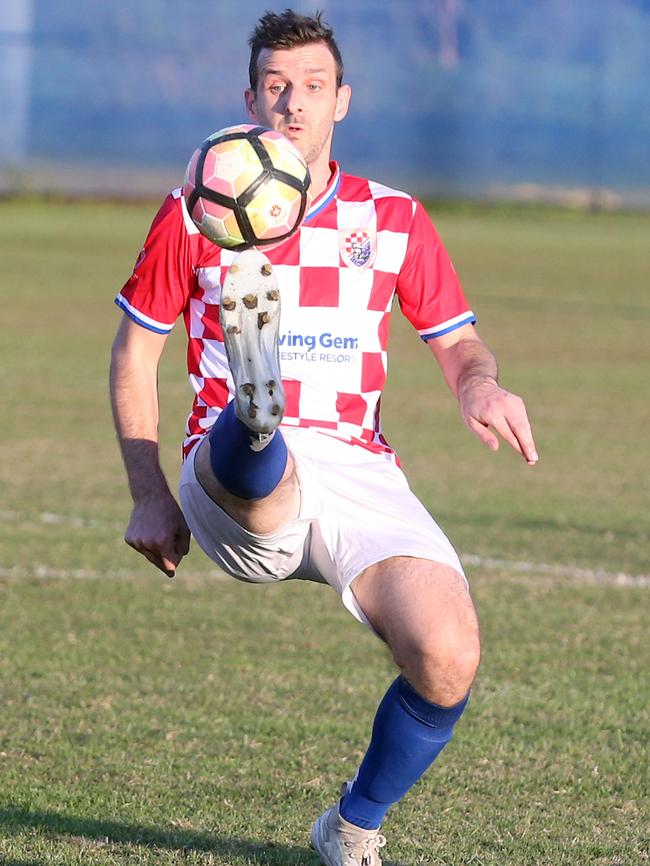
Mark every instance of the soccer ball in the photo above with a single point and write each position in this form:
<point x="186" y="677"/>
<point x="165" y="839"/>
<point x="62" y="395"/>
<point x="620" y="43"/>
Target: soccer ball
<point x="247" y="186"/>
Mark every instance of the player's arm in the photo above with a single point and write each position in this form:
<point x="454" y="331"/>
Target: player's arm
<point x="471" y="372"/>
<point x="157" y="528"/>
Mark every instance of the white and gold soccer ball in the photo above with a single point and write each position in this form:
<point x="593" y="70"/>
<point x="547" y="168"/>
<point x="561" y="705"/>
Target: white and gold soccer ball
<point x="247" y="186"/>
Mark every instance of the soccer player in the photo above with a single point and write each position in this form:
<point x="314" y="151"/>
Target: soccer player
<point x="321" y="496"/>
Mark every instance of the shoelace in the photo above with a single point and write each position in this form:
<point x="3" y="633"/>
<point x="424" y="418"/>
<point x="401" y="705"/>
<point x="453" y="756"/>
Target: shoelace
<point x="371" y="848"/>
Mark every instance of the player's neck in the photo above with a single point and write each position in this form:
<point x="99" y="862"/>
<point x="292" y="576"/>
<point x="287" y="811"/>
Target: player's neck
<point x="321" y="174"/>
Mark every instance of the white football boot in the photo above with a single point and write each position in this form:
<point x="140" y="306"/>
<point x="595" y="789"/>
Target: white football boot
<point x="340" y="843"/>
<point x="250" y="320"/>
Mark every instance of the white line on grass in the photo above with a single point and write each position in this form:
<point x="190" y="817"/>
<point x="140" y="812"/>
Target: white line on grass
<point x="582" y="575"/>
<point x="46" y="572"/>
<point x="518" y="569"/>
<point x="49" y="518"/>
<point x="522" y="568"/>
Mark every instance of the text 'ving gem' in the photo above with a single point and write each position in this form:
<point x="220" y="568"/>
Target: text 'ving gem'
<point x="311" y="341"/>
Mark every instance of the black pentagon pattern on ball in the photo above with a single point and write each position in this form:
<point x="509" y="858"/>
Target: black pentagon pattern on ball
<point x="238" y="205"/>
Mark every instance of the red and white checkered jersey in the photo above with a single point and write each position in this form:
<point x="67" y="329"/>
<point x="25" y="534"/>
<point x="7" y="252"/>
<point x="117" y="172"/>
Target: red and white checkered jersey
<point x="359" y="246"/>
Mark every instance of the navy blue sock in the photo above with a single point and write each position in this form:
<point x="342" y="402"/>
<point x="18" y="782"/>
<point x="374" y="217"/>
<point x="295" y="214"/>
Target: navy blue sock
<point x="408" y="734"/>
<point x="240" y="462"/>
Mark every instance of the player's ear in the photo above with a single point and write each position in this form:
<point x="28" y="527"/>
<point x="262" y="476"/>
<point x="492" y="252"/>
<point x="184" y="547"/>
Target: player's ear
<point x="249" y="99"/>
<point x="342" y="101"/>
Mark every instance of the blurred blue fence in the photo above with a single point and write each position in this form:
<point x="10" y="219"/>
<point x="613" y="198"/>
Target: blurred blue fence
<point x="450" y="97"/>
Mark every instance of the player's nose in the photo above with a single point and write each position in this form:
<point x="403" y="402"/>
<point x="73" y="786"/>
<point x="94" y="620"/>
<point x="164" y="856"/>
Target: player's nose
<point x="292" y="104"/>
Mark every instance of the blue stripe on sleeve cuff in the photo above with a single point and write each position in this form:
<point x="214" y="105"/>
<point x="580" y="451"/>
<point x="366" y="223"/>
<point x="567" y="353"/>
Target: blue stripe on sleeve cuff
<point x="471" y="320"/>
<point x="129" y="312"/>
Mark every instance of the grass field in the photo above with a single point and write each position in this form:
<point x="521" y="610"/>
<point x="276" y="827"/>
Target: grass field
<point x="201" y="721"/>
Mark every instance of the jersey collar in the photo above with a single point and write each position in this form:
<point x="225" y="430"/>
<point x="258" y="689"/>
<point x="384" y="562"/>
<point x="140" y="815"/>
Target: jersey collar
<point x="328" y="194"/>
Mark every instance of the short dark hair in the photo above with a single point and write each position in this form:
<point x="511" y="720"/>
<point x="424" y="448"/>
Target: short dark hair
<point x="288" y="29"/>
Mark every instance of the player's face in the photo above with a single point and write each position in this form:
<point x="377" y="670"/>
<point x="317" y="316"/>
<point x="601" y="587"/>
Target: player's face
<point x="297" y="96"/>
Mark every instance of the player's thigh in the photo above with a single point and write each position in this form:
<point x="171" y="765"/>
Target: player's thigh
<point x="424" y="612"/>
<point x="245" y="555"/>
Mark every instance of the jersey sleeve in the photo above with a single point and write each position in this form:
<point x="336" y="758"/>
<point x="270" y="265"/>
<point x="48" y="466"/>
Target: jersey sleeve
<point x="428" y="289"/>
<point x="158" y="290"/>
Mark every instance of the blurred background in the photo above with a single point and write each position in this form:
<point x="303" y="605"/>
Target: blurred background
<point x="543" y="100"/>
<point x="202" y="721"/>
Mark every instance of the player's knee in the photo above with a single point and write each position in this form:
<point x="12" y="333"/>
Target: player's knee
<point x="463" y="664"/>
<point x="455" y="664"/>
<point x="442" y="668"/>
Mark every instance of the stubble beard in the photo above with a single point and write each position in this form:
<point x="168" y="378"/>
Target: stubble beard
<point x="313" y="148"/>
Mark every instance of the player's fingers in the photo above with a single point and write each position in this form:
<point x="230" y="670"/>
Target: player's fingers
<point x="504" y="430"/>
<point x="520" y="426"/>
<point x="483" y="432"/>
<point x="524" y="436"/>
<point x="519" y="437"/>
<point x="505" y="414"/>
<point x="172" y="558"/>
<point x="166" y="565"/>
<point x="154" y="556"/>
<point x="512" y="424"/>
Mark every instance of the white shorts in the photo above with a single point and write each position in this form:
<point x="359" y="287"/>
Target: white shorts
<point x="356" y="510"/>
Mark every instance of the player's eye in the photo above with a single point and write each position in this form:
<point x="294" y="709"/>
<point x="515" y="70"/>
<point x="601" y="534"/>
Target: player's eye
<point x="277" y="88"/>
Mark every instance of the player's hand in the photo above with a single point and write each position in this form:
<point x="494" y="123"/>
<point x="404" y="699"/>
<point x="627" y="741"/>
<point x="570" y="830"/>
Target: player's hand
<point x="486" y="407"/>
<point x="157" y="530"/>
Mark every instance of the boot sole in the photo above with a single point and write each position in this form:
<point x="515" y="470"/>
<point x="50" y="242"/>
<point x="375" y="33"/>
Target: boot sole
<point x="250" y="321"/>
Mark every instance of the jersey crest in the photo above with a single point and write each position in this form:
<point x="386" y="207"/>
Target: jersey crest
<point x="358" y="247"/>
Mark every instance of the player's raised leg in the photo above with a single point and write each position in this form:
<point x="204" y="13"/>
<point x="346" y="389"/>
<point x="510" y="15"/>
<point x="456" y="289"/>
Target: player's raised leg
<point x="250" y="320"/>
<point x="424" y="612"/>
<point x="243" y="464"/>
